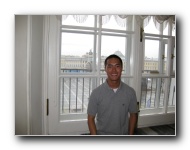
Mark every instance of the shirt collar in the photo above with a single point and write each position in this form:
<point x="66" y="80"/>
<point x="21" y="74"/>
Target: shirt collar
<point x="107" y="86"/>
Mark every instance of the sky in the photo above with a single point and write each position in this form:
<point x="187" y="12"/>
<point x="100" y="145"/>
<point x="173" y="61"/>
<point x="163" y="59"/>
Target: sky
<point x="73" y="44"/>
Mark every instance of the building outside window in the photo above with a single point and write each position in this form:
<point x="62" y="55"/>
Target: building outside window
<point x="84" y="46"/>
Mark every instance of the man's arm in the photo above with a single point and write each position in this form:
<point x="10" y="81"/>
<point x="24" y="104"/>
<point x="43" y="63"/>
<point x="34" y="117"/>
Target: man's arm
<point x="132" y="123"/>
<point x="91" y="124"/>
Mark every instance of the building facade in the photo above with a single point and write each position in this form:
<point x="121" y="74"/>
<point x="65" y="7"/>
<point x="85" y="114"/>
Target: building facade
<point x="84" y="63"/>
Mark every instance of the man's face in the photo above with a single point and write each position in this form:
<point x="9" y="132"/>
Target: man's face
<point x="113" y="69"/>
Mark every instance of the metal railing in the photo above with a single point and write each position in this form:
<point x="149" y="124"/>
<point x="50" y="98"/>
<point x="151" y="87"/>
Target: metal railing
<point x="75" y="93"/>
<point x="153" y="92"/>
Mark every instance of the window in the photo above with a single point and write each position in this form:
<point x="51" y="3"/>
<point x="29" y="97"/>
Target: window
<point x="158" y="82"/>
<point x="75" y="65"/>
<point x="84" y="46"/>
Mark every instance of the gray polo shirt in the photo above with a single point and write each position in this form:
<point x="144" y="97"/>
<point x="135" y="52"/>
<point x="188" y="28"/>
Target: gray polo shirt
<point x="111" y="108"/>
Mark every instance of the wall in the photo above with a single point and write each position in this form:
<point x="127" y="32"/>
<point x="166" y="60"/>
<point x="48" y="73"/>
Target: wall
<point x="28" y="74"/>
<point x="20" y="75"/>
<point x="36" y="74"/>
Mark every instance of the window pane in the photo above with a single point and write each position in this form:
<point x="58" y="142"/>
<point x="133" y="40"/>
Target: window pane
<point x="113" y="45"/>
<point x="173" y="31"/>
<point x="162" y="92"/>
<point x="166" y="30"/>
<point x="76" y="52"/>
<point x="151" y="56"/>
<point x="112" y="23"/>
<point x="83" y="20"/>
<point x="152" y="92"/>
<point x="78" y="56"/>
<point x="74" y="94"/>
<point x="150" y="28"/>
<point x="148" y="92"/>
<point x="172" y="93"/>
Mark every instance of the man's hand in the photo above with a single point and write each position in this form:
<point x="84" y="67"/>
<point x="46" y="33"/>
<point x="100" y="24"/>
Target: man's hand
<point x="132" y="123"/>
<point x="91" y="125"/>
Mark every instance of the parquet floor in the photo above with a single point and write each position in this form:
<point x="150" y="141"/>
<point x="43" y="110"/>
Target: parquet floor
<point x="157" y="130"/>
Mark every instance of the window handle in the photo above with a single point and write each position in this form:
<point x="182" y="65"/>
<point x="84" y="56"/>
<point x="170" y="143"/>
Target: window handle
<point x="172" y="56"/>
<point x="163" y="56"/>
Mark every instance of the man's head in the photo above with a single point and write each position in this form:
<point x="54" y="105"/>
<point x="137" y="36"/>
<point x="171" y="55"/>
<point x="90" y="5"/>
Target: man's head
<point x="113" y="56"/>
<point x="113" y="67"/>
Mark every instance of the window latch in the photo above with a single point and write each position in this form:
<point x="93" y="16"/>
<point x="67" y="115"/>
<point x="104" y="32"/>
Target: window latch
<point x="163" y="56"/>
<point x="172" y="56"/>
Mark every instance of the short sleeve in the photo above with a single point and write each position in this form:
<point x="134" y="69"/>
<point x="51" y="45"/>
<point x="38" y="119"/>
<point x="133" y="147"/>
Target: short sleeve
<point x="133" y="102"/>
<point x="92" y="105"/>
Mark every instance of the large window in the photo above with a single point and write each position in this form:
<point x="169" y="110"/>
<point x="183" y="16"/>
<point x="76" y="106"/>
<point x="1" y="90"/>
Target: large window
<point x="158" y="74"/>
<point x="77" y="47"/>
<point x="85" y="43"/>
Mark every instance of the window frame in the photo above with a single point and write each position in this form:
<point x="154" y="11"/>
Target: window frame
<point x="168" y="75"/>
<point x="52" y="61"/>
<point x="98" y="33"/>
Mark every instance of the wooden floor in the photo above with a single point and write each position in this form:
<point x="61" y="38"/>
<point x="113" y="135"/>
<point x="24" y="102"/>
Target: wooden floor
<point x="157" y="130"/>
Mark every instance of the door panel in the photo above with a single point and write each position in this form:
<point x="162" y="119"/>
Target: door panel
<point x="56" y="121"/>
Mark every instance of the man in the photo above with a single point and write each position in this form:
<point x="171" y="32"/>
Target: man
<point x="111" y="103"/>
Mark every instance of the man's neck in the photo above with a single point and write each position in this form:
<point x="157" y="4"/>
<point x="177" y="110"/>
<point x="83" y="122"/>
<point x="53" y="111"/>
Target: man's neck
<point x="113" y="84"/>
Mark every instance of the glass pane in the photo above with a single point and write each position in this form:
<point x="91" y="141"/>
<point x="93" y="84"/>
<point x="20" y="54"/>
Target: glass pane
<point x="74" y="94"/>
<point x="150" y="28"/>
<point x="162" y="92"/>
<point x="152" y="92"/>
<point x="166" y="30"/>
<point x="83" y="20"/>
<point x="172" y="93"/>
<point x="112" y="23"/>
<point x="151" y="56"/>
<point x="76" y="52"/>
<point x="174" y="31"/>
<point x="148" y="92"/>
<point x="113" y="45"/>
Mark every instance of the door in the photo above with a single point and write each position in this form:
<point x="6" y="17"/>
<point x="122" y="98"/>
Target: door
<point x="59" y="124"/>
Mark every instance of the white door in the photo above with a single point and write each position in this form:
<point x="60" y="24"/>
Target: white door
<point x="59" y="124"/>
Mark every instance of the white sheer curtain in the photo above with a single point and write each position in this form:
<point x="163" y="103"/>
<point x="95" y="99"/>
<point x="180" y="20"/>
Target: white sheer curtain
<point x="142" y="20"/>
<point x="158" y="20"/>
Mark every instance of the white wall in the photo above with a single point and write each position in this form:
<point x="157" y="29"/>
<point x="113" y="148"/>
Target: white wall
<point x="36" y="74"/>
<point x="28" y="74"/>
<point x="20" y="75"/>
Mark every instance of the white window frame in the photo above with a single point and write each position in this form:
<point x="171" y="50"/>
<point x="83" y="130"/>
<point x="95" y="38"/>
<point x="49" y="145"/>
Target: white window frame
<point x="53" y="65"/>
<point x="163" y="39"/>
<point x="51" y="82"/>
<point x="101" y="31"/>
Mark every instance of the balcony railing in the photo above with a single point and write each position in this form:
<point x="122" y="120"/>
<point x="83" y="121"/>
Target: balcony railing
<point x="153" y="92"/>
<point x="75" y="93"/>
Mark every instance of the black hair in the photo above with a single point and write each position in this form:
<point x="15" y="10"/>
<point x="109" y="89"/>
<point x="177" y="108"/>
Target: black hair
<point x="113" y="56"/>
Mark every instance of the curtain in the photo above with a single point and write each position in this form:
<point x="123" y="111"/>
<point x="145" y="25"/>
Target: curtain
<point x="142" y="20"/>
<point x="157" y="19"/>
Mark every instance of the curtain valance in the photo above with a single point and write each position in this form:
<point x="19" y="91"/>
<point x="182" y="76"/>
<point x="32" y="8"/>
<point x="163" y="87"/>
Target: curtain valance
<point x="142" y="20"/>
